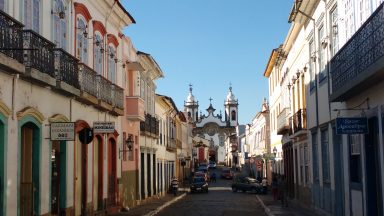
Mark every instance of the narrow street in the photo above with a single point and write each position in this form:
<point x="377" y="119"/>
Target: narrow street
<point x="220" y="200"/>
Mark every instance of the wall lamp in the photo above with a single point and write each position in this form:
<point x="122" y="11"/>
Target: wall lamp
<point x="129" y="145"/>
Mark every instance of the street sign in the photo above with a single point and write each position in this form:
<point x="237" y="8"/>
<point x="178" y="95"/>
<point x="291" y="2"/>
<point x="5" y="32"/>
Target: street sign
<point x="63" y="131"/>
<point x="103" y="127"/>
<point x="351" y="125"/>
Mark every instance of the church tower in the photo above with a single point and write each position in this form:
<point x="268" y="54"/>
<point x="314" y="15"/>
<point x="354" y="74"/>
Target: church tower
<point x="231" y="109"/>
<point x="191" y="107"/>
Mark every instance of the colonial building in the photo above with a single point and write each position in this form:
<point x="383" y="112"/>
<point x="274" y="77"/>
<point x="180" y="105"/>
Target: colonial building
<point x="329" y="81"/>
<point x="62" y="98"/>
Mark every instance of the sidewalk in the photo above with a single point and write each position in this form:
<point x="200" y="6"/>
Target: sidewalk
<point x="153" y="205"/>
<point x="274" y="208"/>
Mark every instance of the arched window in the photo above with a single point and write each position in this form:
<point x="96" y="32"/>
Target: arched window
<point x="233" y="115"/>
<point x="81" y="40"/>
<point x="59" y="25"/>
<point x="32" y="15"/>
<point x="98" y="53"/>
<point x="111" y="63"/>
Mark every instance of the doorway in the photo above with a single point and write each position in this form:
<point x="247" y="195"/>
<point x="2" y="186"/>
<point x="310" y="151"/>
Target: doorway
<point x="98" y="174"/>
<point x="29" y="172"/>
<point x="58" y="177"/>
<point x="112" y="173"/>
<point x="2" y="165"/>
<point x="372" y="166"/>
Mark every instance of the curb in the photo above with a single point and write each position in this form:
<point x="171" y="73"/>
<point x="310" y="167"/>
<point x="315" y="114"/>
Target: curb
<point x="154" y="212"/>
<point x="266" y="208"/>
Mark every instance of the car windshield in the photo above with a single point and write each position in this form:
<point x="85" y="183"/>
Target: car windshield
<point x="198" y="180"/>
<point x="251" y="180"/>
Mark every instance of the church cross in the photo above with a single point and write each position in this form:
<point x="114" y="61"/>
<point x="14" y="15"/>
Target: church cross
<point x="210" y="100"/>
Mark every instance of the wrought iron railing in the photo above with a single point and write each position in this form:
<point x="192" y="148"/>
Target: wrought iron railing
<point x="150" y="125"/>
<point x="171" y="144"/>
<point x="26" y="199"/>
<point x="87" y="79"/>
<point x="300" y="120"/>
<point x="361" y="51"/>
<point x="38" y="53"/>
<point x="11" y="37"/>
<point x="283" y="121"/>
<point x="66" y="68"/>
<point x="104" y="89"/>
<point x="118" y="96"/>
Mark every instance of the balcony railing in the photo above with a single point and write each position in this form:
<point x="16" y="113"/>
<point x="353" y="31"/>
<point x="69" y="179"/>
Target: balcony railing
<point x="38" y="53"/>
<point x="359" y="62"/>
<point x="66" y="68"/>
<point x="283" y="125"/>
<point x="87" y="80"/>
<point x="104" y="89"/>
<point x="150" y="125"/>
<point x="11" y="37"/>
<point x="118" y="96"/>
<point x="171" y="145"/>
<point x="299" y="120"/>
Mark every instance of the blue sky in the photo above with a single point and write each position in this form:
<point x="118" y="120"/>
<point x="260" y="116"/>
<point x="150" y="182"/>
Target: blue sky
<point x="210" y="44"/>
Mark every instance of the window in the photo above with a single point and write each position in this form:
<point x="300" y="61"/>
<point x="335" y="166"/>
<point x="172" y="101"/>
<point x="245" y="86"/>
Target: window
<point x="98" y="53"/>
<point x="32" y="14"/>
<point x="59" y="25"/>
<point x="306" y="163"/>
<point x="325" y="154"/>
<point x="315" y="159"/>
<point x="302" y="164"/>
<point x="2" y="5"/>
<point x="111" y="64"/>
<point x="81" y="41"/>
<point x="354" y="142"/>
<point x="322" y="60"/>
<point x="334" y="27"/>
<point x="312" y="68"/>
<point x="233" y="115"/>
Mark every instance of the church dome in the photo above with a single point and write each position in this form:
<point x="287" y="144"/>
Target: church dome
<point x="230" y="96"/>
<point x="190" y="98"/>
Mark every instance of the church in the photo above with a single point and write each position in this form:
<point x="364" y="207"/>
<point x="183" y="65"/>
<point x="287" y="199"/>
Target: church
<point x="218" y="131"/>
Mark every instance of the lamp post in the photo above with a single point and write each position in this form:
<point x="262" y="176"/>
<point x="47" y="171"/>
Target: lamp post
<point x="129" y="144"/>
<point x="274" y="159"/>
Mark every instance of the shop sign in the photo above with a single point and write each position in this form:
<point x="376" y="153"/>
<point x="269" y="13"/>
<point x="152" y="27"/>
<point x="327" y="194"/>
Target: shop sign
<point x="63" y="131"/>
<point x="351" y="125"/>
<point x="103" y="127"/>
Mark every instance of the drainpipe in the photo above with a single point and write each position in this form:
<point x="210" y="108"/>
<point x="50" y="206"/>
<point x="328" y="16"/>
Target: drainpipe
<point x="14" y="83"/>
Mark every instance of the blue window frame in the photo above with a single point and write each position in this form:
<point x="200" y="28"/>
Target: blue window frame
<point x="81" y="41"/>
<point x="59" y="25"/>
<point x="32" y="14"/>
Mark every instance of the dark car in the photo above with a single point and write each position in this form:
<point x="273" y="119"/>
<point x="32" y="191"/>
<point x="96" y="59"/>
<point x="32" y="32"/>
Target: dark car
<point x="226" y="174"/>
<point x="199" y="184"/>
<point x="241" y="183"/>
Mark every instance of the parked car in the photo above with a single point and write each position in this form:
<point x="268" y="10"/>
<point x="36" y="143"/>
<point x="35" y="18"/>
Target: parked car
<point x="226" y="174"/>
<point x="212" y="165"/>
<point x="199" y="184"/>
<point x="241" y="183"/>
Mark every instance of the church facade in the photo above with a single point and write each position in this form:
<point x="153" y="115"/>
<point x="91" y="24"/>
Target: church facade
<point x="214" y="129"/>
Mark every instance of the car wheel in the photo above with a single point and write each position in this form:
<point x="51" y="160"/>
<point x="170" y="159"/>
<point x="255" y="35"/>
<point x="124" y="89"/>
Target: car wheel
<point x="234" y="189"/>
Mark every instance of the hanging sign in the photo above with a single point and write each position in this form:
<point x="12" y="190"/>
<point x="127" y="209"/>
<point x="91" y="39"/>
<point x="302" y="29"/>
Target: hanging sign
<point x="351" y="125"/>
<point x="103" y="127"/>
<point x="63" y="131"/>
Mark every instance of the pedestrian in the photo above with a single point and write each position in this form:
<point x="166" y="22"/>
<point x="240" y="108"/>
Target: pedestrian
<point x="213" y="177"/>
<point x="283" y="191"/>
<point x="274" y="188"/>
<point x="174" y="185"/>
<point x="264" y="183"/>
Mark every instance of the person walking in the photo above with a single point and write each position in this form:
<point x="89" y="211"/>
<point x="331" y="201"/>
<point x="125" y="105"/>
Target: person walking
<point x="274" y="188"/>
<point x="264" y="183"/>
<point x="174" y="185"/>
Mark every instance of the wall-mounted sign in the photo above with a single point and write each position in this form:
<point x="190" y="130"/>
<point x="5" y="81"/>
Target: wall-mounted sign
<point x="63" y="131"/>
<point x="351" y="125"/>
<point x="103" y="127"/>
<point x="85" y="135"/>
